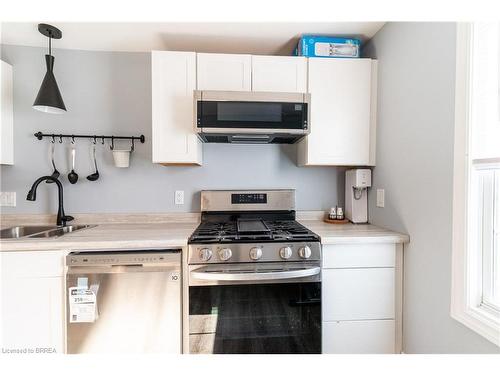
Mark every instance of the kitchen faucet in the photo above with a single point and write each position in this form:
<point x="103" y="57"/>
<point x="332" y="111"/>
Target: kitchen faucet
<point x="61" y="217"/>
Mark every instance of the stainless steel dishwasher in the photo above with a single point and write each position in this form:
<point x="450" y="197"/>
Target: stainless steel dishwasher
<point x="124" y="302"/>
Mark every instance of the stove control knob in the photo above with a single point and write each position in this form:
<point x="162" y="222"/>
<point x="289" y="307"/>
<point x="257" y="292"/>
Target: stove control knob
<point x="255" y="253"/>
<point x="286" y="252"/>
<point x="305" y="252"/>
<point x="225" y="254"/>
<point x="205" y="254"/>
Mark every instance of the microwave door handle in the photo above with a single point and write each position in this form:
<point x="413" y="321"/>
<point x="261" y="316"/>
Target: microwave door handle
<point x="254" y="276"/>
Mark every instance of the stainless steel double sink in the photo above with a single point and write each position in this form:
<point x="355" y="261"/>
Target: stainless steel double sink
<point x="40" y="231"/>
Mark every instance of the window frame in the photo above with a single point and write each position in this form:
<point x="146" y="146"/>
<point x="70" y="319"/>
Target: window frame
<point x="466" y="279"/>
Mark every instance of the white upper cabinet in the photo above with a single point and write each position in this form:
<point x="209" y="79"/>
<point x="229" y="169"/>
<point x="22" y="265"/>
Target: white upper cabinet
<point x="343" y="112"/>
<point x="279" y="73"/>
<point x="226" y="72"/>
<point x="173" y="135"/>
<point x="342" y="109"/>
<point x="6" y="115"/>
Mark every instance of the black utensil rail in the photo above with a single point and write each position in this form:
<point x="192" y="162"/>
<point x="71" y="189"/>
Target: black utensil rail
<point x="41" y="135"/>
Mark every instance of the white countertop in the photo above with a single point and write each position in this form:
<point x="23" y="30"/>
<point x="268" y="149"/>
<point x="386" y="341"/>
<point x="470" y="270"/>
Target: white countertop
<point x="110" y="236"/>
<point x="353" y="233"/>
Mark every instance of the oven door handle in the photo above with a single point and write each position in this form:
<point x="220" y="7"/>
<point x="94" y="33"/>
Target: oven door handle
<point x="251" y="276"/>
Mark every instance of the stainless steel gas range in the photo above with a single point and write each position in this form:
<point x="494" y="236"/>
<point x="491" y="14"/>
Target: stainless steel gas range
<point x="254" y="276"/>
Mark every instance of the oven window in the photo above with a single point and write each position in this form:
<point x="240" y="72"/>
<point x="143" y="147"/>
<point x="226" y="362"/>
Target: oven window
<point x="259" y="112"/>
<point x="260" y="319"/>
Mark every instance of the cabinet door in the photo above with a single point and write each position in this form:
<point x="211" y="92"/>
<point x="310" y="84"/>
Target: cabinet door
<point x="173" y="133"/>
<point x="279" y="73"/>
<point x="358" y="337"/>
<point x="358" y="293"/>
<point x="6" y="115"/>
<point x="32" y="306"/>
<point x="224" y="72"/>
<point x="342" y="112"/>
<point x="32" y="314"/>
<point x="359" y="255"/>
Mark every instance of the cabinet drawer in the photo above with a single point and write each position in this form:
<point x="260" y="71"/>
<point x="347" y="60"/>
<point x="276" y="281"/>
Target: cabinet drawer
<point x="358" y="294"/>
<point x="359" y="337"/>
<point x="359" y="255"/>
<point x="32" y="264"/>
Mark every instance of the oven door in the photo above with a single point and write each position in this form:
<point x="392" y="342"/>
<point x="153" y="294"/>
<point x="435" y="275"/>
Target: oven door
<point x="264" y="308"/>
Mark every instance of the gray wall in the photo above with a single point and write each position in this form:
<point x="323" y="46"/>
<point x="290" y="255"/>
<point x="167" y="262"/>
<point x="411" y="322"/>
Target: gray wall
<point x="110" y="93"/>
<point x="415" y="167"/>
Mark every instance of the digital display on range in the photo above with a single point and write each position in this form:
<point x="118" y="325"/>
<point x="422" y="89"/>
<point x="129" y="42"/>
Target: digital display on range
<point x="248" y="198"/>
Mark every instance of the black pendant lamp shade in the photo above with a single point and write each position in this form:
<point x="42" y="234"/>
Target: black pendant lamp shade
<point x="49" y="97"/>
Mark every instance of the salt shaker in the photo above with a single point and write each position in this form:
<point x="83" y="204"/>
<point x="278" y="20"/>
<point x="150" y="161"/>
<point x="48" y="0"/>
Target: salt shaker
<point x="333" y="214"/>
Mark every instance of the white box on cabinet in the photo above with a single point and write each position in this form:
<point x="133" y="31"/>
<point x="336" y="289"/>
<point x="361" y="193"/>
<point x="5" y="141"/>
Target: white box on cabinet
<point x="6" y="115"/>
<point x="174" y="138"/>
<point x="279" y="73"/>
<point x="226" y="72"/>
<point x="343" y="113"/>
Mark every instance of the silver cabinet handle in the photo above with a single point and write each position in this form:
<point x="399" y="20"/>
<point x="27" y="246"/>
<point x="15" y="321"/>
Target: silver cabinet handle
<point x="244" y="276"/>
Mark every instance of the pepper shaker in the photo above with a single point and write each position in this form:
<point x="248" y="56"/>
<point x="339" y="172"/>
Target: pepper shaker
<point x="340" y="213"/>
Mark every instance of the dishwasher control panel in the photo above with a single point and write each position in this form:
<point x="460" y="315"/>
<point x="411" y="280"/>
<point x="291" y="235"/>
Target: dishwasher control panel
<point x="128" y="257"/>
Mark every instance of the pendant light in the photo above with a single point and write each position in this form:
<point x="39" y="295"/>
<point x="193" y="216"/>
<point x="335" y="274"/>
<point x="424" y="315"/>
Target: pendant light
<point x="49" y="97"/>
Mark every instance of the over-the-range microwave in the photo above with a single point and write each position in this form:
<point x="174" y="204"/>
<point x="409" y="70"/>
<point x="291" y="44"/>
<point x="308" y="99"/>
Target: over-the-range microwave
<point x="251" y="117"/>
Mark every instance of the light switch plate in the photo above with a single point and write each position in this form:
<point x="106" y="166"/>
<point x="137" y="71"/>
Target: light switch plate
<point x="8" y="199"/>
<point x="380" y="197"/>
<point x="179" y="197"/>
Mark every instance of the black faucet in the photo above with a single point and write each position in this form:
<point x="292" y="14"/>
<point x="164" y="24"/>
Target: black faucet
<point x="61" y="217"/>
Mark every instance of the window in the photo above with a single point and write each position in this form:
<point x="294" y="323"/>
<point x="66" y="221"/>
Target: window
<point x="476" y="186"/>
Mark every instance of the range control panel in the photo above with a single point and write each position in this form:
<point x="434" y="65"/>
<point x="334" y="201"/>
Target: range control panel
<point x="255" y="198"/>
<point x="129" y="257"/>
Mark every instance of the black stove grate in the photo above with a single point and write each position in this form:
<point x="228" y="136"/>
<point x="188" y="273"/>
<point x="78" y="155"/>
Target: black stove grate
<point x="227" y="232"/>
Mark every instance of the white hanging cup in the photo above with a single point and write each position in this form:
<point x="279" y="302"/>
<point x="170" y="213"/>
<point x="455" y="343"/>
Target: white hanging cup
<point x="121" y="158"/>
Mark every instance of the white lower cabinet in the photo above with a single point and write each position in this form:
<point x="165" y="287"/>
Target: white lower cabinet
<point x="358" y="293"/>
<point x="359" y="336"/>
<point x="32" y="303"/>
<point x="360" y="298"/>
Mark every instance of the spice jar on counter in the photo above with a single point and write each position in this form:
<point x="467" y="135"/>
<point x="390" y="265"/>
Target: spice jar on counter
<point x="333" y="213"/>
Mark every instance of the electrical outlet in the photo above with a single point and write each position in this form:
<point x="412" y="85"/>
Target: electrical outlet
<point x="380" y="197"/>
<point x="179" y="197"/>
<point x="8" y="199"/>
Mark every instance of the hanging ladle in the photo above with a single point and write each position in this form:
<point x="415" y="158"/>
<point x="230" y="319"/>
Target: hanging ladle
<point x="72" y="176"/>
<point x="94" y="176"/>
<point x="56" y="173"/>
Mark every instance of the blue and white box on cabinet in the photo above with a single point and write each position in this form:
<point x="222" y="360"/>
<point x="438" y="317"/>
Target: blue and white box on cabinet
<point x="327" y="46"/>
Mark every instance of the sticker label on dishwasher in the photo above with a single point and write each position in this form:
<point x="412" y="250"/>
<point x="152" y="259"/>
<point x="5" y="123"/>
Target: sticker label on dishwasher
<point x="82" y="305"/>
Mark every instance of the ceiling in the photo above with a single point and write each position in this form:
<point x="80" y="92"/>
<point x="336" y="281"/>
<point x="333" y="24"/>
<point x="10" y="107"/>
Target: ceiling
<point x="276" y="38"/>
